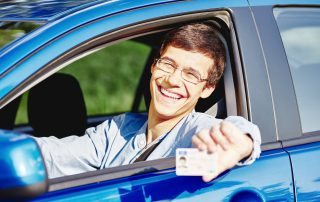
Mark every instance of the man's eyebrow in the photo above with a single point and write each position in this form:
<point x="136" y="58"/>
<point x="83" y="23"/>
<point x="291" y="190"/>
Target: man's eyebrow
<point x="170" y="59"/>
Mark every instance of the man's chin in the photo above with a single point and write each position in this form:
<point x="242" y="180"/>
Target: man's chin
<point x="166" y="113"/>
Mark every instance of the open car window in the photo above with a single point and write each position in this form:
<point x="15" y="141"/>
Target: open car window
<point x="108" y="80"/>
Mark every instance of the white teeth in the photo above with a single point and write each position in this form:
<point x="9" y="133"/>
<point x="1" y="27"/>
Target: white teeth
<point x="169" y="94"/>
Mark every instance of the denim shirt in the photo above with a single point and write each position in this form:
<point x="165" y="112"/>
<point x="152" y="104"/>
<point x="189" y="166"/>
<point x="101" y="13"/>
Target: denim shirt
<point x="122" y="139"/>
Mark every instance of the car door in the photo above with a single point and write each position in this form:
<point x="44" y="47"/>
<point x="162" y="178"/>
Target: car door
<point x="295" y="29"/>
<point x="247" y="93"/>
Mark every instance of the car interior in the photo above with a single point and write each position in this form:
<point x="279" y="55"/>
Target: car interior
<point x="56" y="106"/>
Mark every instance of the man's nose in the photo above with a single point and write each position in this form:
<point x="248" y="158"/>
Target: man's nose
<point x="175" y="77"/>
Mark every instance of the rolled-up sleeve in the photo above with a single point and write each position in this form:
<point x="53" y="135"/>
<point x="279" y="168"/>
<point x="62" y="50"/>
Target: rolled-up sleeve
<point x="74" y="154"/>
<point x="254" y="133"/>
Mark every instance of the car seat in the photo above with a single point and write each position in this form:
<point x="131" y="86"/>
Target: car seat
<point x="56" y="107"/>
<point x="8" y="114"/>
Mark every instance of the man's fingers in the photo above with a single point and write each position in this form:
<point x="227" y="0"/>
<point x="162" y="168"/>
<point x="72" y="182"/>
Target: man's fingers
<point x="219" y="138"/>
<point x="209" y="178"/>
<point x="218" y="171"/>
<point x="198" y="143"/>
<point x="230" y="131"/>
<point x="237" y="137"/>
<point x="208" y="141"/>
<point x="204" y="142"/>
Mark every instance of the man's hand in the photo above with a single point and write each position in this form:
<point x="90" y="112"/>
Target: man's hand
<point x="230" y="144"/>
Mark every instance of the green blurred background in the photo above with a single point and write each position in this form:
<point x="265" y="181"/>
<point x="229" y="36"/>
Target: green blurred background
<point x="108" y="79"/>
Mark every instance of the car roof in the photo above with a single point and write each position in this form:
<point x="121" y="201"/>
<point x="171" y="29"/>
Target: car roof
<point x="41" y="10"/>
<point x="45" y="10"/>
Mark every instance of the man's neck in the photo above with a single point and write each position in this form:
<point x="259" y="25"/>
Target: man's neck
<point x="158" y="126"/>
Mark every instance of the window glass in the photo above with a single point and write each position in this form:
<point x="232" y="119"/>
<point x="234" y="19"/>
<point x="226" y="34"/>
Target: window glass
<point x="300" y="32"/>
<point x="9" y="31"/>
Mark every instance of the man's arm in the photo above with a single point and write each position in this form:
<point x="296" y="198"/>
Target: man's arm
<point x="74" y="154"/>
<point x="232" y="142"/>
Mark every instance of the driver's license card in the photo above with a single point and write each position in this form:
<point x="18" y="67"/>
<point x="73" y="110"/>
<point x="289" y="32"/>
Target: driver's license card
<point x="192" y="162"/>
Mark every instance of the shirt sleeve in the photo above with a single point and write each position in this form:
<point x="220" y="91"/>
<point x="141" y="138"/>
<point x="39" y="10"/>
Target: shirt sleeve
<point x="253" y="131"/>
<point x="74" y="154"/>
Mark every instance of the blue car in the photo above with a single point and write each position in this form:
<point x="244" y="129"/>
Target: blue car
<point x="49" y="49"/>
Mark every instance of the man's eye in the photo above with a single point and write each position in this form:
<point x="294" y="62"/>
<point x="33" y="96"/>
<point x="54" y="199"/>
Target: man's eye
<point x="191" y="74"/>
<point x="167" y="65"/>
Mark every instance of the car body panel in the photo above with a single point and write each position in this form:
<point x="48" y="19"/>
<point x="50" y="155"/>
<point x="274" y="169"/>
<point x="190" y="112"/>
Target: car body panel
<point x="281" y="85"/>
<point x="306" y="171"/>
<point x="264" y="184"/>
<point x="259" y="100"/>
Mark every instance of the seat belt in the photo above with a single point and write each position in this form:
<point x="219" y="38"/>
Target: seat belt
<point x="146" y="153"/>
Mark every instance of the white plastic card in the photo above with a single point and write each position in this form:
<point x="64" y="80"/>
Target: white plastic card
<point x="192" y="162"/>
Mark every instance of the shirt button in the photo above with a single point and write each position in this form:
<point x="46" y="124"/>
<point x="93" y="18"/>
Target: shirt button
<point x="141" y="143"/>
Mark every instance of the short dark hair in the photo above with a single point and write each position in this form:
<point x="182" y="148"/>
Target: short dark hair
<point x="201" y="38"/>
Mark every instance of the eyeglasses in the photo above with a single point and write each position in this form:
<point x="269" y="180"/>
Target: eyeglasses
<point x="189" y="75"/>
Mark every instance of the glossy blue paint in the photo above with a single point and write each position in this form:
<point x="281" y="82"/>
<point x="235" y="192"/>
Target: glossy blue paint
<point x="39" y="9"/>
<point x="20" y="160"/>
<point x="282" y="2"/>
<point x="79" y="29"/>
<point x="306" y="165"/>
<point x="269" y="179"/>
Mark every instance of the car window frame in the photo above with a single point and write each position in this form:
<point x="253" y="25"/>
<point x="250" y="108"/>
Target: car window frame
<point x="289" y="130"/>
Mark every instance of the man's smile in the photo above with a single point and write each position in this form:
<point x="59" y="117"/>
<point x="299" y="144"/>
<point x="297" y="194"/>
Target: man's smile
<point x="169" y="94"/>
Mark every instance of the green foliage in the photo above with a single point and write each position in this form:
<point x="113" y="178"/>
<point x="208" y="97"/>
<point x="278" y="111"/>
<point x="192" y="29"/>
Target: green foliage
<point x="108" y="78"/>
<point x="9" y="31"/>
<point x="7" y="36"/>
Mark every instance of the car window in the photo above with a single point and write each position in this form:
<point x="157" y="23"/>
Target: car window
<point x="300" y="31"/>
<point x="108" y="79"/>
<point x="10" y="31"/>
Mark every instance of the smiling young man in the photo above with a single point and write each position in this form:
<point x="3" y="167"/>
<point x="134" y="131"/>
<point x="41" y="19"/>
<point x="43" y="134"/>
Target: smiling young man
<point x="190" y="63"/>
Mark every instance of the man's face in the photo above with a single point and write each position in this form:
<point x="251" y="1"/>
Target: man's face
<point x="171" y="95"/>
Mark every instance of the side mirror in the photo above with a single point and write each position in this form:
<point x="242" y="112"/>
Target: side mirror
<point x="22" y="170"/>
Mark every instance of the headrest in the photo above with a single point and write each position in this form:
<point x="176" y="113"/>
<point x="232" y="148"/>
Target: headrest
<point x="215" y="100"/>
<point x="56" y="107"/>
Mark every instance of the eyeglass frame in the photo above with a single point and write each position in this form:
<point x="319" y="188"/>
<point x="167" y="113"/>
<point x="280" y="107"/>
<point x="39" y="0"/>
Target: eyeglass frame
<point x="175" y="67"/>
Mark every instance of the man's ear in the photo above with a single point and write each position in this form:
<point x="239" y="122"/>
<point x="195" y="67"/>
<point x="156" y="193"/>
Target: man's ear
<point x="206" y="92"/>
<point x="152" y="68"/>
